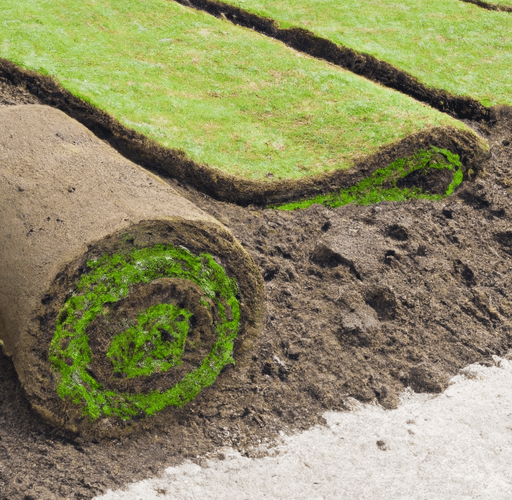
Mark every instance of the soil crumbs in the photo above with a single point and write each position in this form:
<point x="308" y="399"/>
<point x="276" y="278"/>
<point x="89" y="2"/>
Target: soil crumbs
<point x="361" y="303"/>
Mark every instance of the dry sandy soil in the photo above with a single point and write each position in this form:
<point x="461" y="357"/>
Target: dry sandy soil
<point x="362" y="302"/>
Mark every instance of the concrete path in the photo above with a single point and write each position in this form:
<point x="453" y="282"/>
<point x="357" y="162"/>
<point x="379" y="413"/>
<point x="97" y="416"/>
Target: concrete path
<point x="457" y="445"/>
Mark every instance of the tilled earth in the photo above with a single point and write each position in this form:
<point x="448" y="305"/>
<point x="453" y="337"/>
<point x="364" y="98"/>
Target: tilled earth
<point x="361" y="302"/>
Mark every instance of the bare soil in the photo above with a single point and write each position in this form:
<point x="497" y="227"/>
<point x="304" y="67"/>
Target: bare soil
<point x="361" y="303"/>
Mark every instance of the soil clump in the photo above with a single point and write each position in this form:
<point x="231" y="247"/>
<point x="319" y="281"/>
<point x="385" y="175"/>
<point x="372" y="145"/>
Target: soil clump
<point x="361" y="303"/>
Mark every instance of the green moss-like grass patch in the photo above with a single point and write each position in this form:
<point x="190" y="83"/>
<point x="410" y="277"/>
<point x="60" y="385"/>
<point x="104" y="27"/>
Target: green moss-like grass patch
<point x="143" y="349"/>
<point x="384" y="183"/>
<point x="154" y="344"/>
<point x="227" y="96"/>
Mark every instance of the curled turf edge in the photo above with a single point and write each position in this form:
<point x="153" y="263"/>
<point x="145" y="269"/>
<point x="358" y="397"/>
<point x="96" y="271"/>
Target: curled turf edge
<point x="108" y="343"/>
<point x="154" y="344"/>
<point x="359" y="63"/>
<point x="175" y="164"/>
<point x="390" y="183"/>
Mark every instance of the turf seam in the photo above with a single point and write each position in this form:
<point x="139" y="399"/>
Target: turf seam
<point x="359" y="63"/>
<point x="489" y="6"/>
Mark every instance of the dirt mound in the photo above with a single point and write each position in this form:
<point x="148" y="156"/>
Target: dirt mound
<point x="361" y="301"/>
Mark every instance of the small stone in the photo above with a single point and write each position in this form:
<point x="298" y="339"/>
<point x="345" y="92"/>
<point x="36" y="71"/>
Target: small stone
<point x="382" y="445"/>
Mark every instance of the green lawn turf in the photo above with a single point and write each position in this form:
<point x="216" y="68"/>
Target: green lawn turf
<point x="448" y="44"/>
<point x="227" y="96"/>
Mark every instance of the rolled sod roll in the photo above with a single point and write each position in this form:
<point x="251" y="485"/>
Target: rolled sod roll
<point x="119" y="299"/>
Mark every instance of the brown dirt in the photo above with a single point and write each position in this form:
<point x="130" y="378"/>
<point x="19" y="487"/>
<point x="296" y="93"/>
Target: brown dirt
<point x="361" y="302"/>
<point x="490" y="6"/>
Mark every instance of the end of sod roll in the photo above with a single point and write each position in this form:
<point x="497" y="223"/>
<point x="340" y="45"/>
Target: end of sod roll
<point x="141" y="323"/>
<point x="121" y="301"/>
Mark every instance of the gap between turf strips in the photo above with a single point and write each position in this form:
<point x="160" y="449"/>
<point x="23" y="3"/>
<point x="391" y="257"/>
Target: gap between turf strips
<point x="489" y="6"/>
<point x="366" y="65"/>
<point x="224" y="187"/>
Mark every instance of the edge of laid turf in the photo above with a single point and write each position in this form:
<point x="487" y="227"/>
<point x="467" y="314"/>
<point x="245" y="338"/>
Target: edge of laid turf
<point x="224" y="187"/>
<point x="489" y="6"/>
<point x="359" y="63"/>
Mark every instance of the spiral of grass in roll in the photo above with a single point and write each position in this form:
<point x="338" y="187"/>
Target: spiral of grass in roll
<point x="153" y="341"/>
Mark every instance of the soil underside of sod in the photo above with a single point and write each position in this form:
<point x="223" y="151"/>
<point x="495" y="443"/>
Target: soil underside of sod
<point x="361" y="302"/>
<point x="503" y="6"/>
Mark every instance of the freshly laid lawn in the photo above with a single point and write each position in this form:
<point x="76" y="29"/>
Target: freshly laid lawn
<point x="448" y="44"/>
<point x="227" y="96"/>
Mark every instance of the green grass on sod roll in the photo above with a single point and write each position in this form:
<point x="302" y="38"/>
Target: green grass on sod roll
<point x="383" y="185"/>
<point x="446" y="44"/>
<point x="141" y="350"/>
<point x="227" y="96"/>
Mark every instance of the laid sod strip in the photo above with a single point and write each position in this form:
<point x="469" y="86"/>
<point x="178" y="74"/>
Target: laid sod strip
<point x="121" y="301"/>
<point x="430" y="174"/>
<point x="166" y="162"/>
<point x="263" y="113"/>
<point x="360" y="63"/>
<point x="446" y="44"/>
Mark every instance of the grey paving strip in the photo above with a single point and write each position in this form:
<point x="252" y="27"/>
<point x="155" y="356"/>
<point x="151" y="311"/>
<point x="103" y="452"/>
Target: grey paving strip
<point x="455" y="445"/>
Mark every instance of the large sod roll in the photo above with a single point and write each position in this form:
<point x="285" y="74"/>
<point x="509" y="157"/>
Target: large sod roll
<point x="119" y="299"/>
